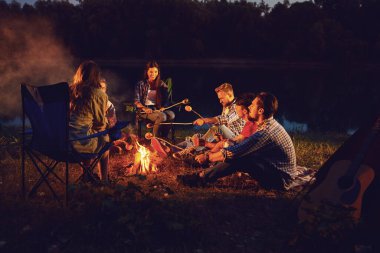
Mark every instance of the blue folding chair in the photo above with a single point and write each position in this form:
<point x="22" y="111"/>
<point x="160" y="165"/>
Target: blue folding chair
<point x="47" y="143"/>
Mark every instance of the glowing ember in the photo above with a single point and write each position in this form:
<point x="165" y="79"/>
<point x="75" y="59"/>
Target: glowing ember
<point x="143" y="164"/>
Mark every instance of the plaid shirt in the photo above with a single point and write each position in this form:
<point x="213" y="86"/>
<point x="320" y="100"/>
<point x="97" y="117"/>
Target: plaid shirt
<point x="141" y="92"/>
<point x="230" y="119"/>
<point x="271" y="143"/>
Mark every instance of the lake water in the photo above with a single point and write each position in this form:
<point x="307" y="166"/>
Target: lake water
<point x="321" y="99"/>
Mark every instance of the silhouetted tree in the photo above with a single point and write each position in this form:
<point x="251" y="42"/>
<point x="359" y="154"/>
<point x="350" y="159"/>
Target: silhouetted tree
<point x="326" y="30"/>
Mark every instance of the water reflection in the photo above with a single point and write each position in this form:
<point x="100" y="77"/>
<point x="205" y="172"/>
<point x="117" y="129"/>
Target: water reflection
<point x="293" y="126"/>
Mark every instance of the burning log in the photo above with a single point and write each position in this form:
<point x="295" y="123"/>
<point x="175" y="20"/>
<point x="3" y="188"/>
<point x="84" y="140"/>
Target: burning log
<point x="143" y="162"/>
<point x="126" y="143"/>
<point x="116" y="150"/>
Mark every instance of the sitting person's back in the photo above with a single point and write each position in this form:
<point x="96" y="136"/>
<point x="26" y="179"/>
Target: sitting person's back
<point x="272" y="145"/>
<point x="89" y="119"/>
<point x="88" y="105"/>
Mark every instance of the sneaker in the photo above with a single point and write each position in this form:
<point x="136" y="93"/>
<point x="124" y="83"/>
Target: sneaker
<point x="191" y="180"/>
<point x="184" y="154"/>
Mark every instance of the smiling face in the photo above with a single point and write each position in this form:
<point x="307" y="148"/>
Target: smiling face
<point x="152" y="74"/>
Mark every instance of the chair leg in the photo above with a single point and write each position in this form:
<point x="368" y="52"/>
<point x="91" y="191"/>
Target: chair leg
<point x="48" y="169"/>
<point x="23" y="168"/>
<point x="42" y="176"/>
<point x="88" y="168"/>
<point x="23" y="154"/>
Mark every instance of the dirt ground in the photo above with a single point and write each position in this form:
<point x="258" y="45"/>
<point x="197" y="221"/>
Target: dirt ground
<point x="153" y="213"/>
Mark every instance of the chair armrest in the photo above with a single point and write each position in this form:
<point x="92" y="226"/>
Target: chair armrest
<point x="114" y="132"/>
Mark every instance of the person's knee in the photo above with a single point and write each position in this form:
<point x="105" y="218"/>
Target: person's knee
<point x="161" y="117"/>
<point x="170" y="115"/>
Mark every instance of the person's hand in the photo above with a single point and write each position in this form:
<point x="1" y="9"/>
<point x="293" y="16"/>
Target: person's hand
<point x="162" y="109"/>
<point x="147" y="110"/>
<point x="195" y="140"/>
<point x="219" y="137"/>
<point x="198" y="122"/>
<point x="227" y="143"/>
<point x="202" y="158"/>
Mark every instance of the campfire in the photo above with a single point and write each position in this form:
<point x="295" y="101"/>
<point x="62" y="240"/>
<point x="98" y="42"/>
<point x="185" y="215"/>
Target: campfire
<point x="144" y="162"/>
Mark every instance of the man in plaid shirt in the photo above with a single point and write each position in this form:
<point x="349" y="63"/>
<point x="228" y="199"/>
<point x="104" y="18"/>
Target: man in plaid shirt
<point x="228" y="124"/>
<point x="233" y="124"/>
<point x="268" y="155"/>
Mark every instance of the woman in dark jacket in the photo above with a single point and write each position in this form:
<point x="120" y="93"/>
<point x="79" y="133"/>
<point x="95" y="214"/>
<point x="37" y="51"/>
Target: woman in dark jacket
<point x="151" y="96"/>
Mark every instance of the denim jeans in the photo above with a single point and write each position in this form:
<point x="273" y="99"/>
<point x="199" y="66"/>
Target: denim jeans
<point x="209" y="136"/>
<point x="158" y="117"/>
<point x="266" y="174"/>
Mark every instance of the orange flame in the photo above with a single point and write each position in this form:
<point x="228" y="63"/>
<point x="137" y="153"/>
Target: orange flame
<point x="145" y="163"/>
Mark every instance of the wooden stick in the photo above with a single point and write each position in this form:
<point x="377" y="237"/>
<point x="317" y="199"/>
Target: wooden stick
<point x="197" y="114"/>
<point x="188" y="108"/>
<point x="185" y="101"/>
<point x="168" y="143"/>
<point x="150" y="125"/>
<point x="175" y="123"/>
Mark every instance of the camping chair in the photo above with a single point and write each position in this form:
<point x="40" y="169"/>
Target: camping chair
<point x="131" y="108"/>
<point x="47" y="108"/>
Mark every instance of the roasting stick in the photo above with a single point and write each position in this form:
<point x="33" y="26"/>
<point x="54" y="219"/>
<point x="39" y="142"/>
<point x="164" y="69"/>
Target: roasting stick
<point x="184" y="102"/>
<point x="151" y="125"/>
<point x="190" y="109"/>
<point x="149" y="136"/>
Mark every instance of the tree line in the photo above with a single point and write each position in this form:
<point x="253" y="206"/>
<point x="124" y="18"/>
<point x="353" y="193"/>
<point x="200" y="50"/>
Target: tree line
<point x="323" y="30"/>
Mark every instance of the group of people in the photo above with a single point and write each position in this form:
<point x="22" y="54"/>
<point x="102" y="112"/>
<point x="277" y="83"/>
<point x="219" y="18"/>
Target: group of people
<point x="92" y="112"/>
<point x="247" y="139"/>
<point x="244" y="137"/>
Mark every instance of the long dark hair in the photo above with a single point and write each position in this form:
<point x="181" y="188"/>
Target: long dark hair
<point x="86" y="77"/>
<point x="157" y="83"/>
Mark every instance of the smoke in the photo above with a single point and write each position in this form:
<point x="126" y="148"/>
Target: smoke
<point x="29" y="53"/>
<point x="119" y="90"/>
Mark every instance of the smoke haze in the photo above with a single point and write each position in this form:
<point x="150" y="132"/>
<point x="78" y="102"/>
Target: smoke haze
<point x="29" y="53"/>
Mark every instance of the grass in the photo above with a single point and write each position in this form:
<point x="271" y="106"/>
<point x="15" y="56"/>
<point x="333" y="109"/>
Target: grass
<point x="154" y="213"/>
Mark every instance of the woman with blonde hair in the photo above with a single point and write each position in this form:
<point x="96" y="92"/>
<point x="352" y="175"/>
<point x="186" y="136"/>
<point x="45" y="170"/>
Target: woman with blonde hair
<point x="88" y="106"/>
